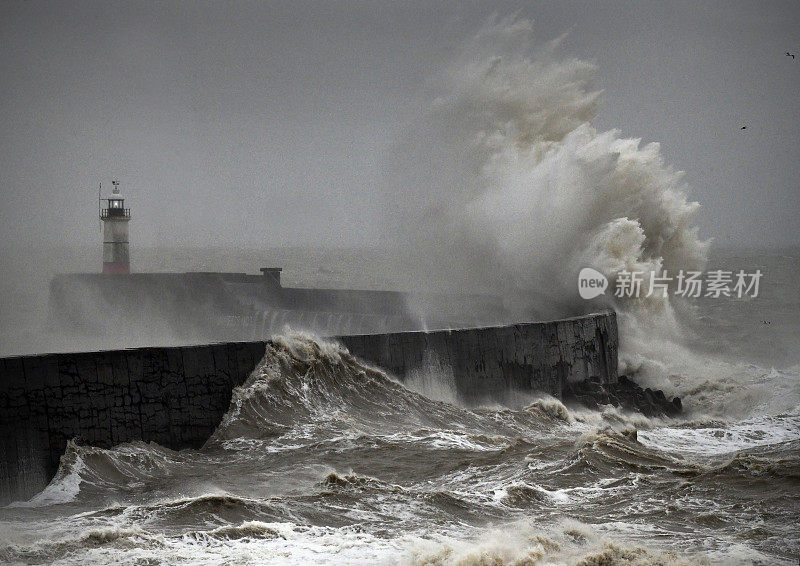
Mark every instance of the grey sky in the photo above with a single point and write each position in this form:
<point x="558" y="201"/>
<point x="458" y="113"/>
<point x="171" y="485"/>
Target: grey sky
<point x="263" y="124"/>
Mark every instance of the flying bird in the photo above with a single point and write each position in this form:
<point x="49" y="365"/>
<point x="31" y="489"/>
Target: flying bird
<point x="789" y="55"/>
<point x="743" y="128"/>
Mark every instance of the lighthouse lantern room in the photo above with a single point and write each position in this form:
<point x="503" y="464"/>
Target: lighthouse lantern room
<point x="115" y="218"/>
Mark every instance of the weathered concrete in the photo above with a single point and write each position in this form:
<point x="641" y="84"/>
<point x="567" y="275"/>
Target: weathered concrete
<point x="486" y="362"/>
<point x="177" y="396"/>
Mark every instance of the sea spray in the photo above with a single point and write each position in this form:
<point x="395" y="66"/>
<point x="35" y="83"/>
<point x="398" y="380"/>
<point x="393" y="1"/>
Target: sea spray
<point x="509" y="187"/>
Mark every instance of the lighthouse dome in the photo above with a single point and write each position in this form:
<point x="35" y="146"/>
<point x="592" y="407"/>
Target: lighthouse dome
<point x="115" y="193"/>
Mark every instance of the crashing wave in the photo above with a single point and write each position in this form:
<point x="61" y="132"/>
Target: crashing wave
<point x="526" y="544"/>
<point x="305" y="379"/>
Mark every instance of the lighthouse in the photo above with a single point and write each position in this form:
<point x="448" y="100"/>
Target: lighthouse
<point x="115" y="218"/>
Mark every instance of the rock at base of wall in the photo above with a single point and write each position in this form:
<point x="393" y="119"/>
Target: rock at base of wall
<point x="626" y="394"/>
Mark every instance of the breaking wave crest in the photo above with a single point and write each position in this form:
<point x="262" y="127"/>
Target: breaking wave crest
<point x="305" y="380"/>
<point x="86" y="467"/>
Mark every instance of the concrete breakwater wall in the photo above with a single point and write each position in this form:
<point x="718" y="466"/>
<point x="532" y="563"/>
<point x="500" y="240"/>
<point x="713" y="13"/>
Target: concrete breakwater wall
<point x="177" y="396"/>
<point x="205" y="307"/>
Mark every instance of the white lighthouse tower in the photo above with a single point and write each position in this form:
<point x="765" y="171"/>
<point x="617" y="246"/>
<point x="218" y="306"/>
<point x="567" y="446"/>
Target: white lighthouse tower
<point x="115" y="217"/>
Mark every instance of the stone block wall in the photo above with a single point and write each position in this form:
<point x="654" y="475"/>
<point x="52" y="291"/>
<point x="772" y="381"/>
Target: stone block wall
<point x="177" y="396"/>
<point x="486" y="363"/>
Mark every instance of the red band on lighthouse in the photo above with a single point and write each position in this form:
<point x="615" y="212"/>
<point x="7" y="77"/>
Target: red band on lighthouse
<point x="115" y="268"/>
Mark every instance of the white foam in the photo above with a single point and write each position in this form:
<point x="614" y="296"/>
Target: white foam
<point x="61" y="489"/>
<point x="733" y="437"/>
<point x="447" y="439"/>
